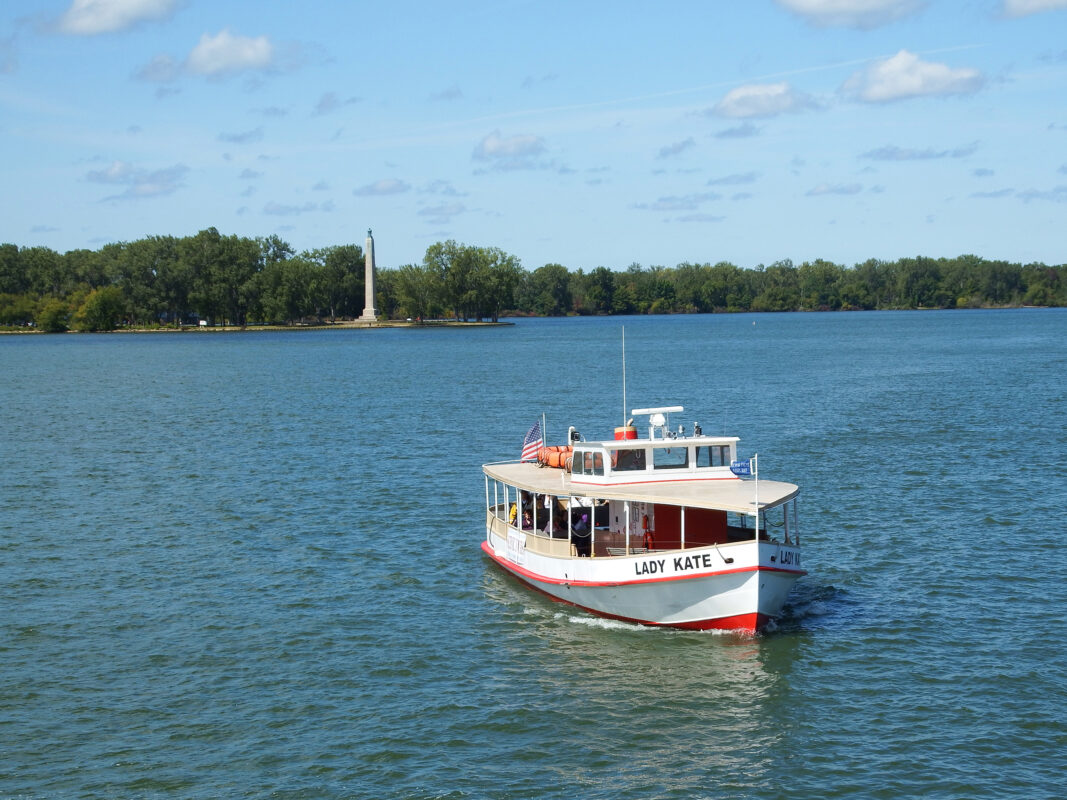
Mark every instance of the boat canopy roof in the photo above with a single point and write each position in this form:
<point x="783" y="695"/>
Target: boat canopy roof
<point x="724" y="494"/>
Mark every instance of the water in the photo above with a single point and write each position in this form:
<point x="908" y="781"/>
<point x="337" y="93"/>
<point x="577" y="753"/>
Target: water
<point x="247" y="565"/>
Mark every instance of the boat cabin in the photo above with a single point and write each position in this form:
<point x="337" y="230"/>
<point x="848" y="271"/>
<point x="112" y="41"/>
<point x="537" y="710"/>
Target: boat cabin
<point x="640" y="461"/>
<point x="628" y="496"/>
<point x="665" y="455"/>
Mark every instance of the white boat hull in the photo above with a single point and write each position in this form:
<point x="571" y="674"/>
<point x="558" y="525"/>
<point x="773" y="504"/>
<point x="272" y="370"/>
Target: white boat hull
<point x="736" y="586"/>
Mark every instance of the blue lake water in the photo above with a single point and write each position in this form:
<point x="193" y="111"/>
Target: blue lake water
<point x="248" y="565"/>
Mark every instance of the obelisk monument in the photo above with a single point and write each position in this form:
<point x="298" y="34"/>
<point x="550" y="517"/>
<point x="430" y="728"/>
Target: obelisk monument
<point x="370" y="313"/>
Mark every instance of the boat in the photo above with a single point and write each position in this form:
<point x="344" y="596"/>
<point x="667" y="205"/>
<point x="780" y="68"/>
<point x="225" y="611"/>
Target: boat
<point x="666" y="530"/>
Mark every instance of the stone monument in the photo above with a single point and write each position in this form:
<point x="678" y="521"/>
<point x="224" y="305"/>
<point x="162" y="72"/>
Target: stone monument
<point x="370" y="313"/>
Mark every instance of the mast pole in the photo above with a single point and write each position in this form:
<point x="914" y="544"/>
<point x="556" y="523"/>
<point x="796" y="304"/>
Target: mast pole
<point x="624" y="375"/>
<point x="755" y="471"/>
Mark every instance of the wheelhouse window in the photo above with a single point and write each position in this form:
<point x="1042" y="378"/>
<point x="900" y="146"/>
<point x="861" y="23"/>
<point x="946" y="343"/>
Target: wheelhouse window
<point x="627" y="460"/>
<point x="670" y="457"/>
<point x="713" y="456"/>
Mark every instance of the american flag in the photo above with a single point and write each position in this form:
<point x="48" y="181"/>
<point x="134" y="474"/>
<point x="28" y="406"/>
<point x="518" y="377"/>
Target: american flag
<point x="532" y="443"/>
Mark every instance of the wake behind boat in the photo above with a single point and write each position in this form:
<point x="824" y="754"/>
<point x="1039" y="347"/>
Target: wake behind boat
<point x="661" y="530"/>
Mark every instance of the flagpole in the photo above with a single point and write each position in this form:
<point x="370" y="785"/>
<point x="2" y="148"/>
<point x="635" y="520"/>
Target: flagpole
<point x="544" y="431"/>
<point x="755" y="472"/>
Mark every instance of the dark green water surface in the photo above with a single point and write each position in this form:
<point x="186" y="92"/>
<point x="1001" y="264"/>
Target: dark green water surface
<point x="247" y="565"/>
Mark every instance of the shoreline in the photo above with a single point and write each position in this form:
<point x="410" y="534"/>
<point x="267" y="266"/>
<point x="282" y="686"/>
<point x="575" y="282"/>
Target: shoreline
<point x="326" y="326"/>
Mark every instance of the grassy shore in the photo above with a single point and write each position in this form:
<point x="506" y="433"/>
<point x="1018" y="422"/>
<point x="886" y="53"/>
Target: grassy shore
<point x="326" y="326"/>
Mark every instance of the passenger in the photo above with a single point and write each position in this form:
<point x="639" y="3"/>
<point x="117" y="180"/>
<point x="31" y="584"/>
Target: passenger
<point x="513" y="514"/>
<point x="527" y="521"/>
<point x="580" y="537"/>
<point x="554" y="529"/>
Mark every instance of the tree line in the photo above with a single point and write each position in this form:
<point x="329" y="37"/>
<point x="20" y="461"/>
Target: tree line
<point x="166" y="280"/>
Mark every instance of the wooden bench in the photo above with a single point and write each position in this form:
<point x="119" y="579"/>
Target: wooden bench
<point x="621" y="551"/>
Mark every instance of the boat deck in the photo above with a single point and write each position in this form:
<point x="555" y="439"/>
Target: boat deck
<point x="724" y="494"/>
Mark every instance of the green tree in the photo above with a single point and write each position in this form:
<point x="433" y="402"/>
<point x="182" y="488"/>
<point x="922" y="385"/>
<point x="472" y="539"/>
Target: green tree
<point x="54" y="316"/>
<point x="102" y="310"/>
<point x="17" y="309"/>
<point x="778" y="287"/>
<point x="599" y="291"/>
<point x="919" y="283"/>
<point x="819" y="285"/>
<point x="442" y="259"/>
<point x="224" y="269"/>
<point x="550" y="289"/>
<point x="44" y="272"/>
<point x="418" y="291"/>
<point x="340" y="279"/>
<point x="13" y="279"/>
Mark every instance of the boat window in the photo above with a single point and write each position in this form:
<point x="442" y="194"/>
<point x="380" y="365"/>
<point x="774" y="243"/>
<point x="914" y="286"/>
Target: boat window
<point x="588" y="459"/>
<point x="578" y="463"/>
<point x="598" y="463"/>
<point x="627" y="460"/>
<point x="670" y="457"/>
<point x="713" y="456"/>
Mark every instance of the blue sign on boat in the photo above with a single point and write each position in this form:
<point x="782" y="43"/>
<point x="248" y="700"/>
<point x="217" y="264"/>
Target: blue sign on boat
<point x="741" y="467"/>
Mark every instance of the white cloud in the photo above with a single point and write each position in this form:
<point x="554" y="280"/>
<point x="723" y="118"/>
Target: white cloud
<point x="762" y="100"/>
<point x="140" y="183"/>
<point x="115" y="172"/>
<point x="1023" y="8"/>
<point x="161" y="69"/>
<point x="382" y="187"/>
<point x="244" y="137"/>
<point x="687" y="202"/>
<point x="513" y="152"/>
<point x="441" y="187"/>
<point x="330" y="102"/>
<point x="495" y="146"/>
<point x="453" y="92"/>
<point x="734" y="179"/>
<point x="677" y="148"/>
<point x="91" y="17"/>
<point x="226" y="53"/>
<point x="893" y="153"/>
<point x="442" y="214"/>
<point x="745" y="130"/>
<point x="851" y="13"/>
<point x="906" y="75"/>
<point x="700" y="218"/>
<point x="282" y="210"/>
<point x="1055" y="195"/>
<point x="835" y="188"/>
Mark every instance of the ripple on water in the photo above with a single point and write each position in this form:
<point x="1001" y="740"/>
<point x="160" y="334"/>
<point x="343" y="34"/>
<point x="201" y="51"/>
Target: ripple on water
<point x="246" y="580"/>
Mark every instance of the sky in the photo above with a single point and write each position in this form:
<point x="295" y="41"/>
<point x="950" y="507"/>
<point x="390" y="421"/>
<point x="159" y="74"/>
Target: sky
<point x="583" y="133"/>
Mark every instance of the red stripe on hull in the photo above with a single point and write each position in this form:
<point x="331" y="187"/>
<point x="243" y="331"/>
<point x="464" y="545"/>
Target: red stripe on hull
<point x="745" y="623"/>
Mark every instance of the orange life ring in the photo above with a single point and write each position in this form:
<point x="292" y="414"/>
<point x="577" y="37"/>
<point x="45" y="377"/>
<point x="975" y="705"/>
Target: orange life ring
<point x="558" y="456"/>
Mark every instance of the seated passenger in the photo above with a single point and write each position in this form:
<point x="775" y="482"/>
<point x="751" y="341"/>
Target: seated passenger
<point x="527" y="521"/>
